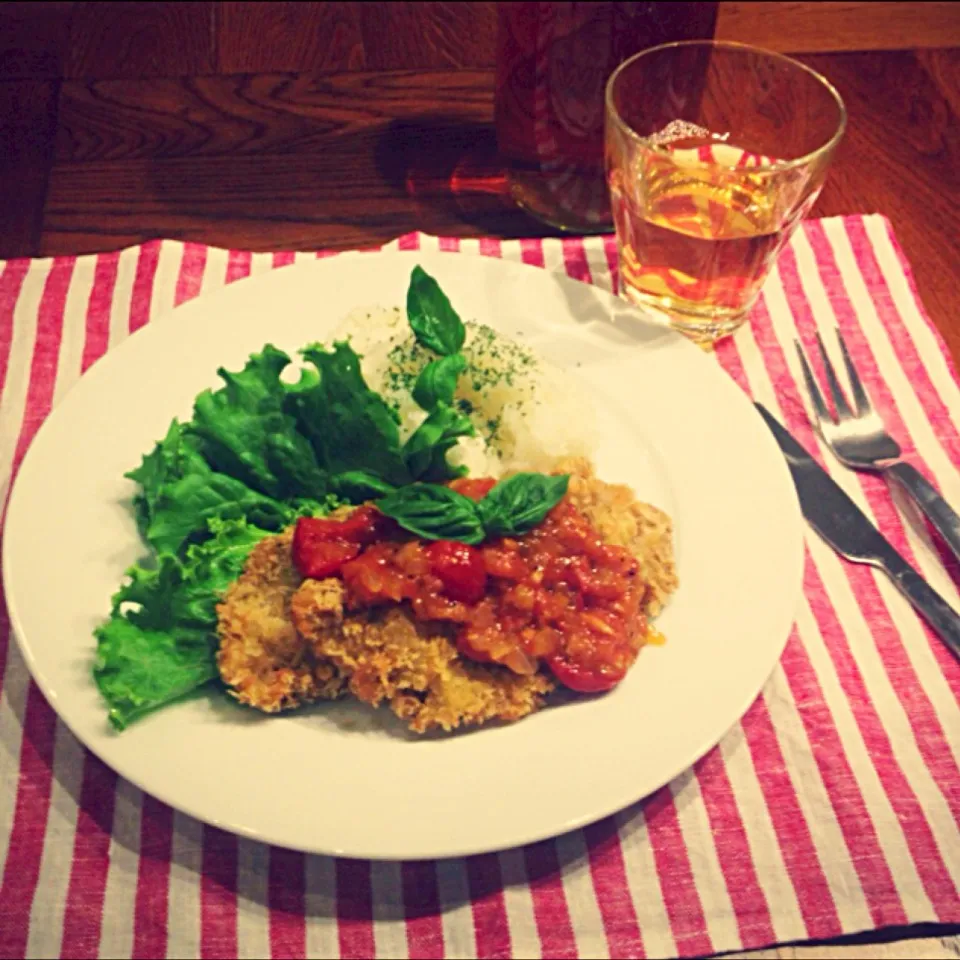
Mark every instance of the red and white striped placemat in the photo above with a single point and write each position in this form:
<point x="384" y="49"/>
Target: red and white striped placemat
<point x="832" y="807"/>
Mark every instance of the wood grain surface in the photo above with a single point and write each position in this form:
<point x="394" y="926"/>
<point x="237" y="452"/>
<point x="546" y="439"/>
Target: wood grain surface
<point x="901" y="157"/>
<point x="336" y="125"/>
<point x="820" y="27"/>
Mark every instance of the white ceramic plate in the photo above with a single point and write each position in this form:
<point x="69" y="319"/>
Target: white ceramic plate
<point x="342" y="778"/>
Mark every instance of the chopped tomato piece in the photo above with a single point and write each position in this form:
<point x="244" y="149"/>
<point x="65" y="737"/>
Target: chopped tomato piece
<point x="599" y="582"/>
<point x="505" y="563"/>
<point x="460" y="569"/>
<point x="544" y="642"/>
<point x="476" y="488"/>
<point x="364" y="525"/>
<point x="412" y="559"/>
<point x="431" y="604"/>
<point x="317" y="558"/>
<point x="367" y="524"/>
<point x="495" y="645"/>
<point x="372" y="578"/>
<point x="522" y="597"/>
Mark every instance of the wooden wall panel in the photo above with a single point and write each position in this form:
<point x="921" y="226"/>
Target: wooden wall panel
<point x="141" y="40"/>
<point x="273" y="37"/>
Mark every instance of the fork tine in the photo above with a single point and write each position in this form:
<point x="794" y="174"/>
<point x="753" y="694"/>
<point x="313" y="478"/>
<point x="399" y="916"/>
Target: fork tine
<point x="836" y="391"/>
<point x="816" y="397"/>
<point x="860" y="397"/>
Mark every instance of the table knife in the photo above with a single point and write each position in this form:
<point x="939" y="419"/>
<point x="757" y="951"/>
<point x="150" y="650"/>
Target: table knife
<point x="846" y="528"/>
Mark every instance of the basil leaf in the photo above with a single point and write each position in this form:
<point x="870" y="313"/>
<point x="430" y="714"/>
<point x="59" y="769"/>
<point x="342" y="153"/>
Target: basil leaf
<point x="434" y="322"/>
<point x="357" y="486"/>
<point x="425" y="452"/>
<point x="520" y="502"/>
<point x="434" y="513"/>
<point x="437" y="382"/>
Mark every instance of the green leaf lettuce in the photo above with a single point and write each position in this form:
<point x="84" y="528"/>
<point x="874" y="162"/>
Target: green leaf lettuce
<point x="350" y="426"/>
<point x="246" y="433"/>
<point x="181" y="493"/>
<point x="160" y="640"/>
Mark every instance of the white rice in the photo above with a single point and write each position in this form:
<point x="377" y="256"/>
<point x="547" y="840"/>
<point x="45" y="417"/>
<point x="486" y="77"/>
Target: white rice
<point x="527" y="413"/>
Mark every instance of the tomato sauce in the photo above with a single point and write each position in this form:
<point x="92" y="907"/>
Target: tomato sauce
<point x="557" y="595"/>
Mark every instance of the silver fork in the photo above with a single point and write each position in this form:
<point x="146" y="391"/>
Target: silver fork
<point x="858" y="438"/>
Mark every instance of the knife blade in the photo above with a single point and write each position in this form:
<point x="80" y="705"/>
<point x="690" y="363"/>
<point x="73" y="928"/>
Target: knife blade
<point x="843" y="525"/>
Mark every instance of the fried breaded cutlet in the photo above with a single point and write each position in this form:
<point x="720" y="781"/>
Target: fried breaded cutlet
<point x="285" y="641"/>
<point x="388" y="655"/>
<point x="263" y="659"/>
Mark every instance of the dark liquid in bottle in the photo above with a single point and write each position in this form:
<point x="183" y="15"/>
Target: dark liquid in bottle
<point x="553" y="62"/>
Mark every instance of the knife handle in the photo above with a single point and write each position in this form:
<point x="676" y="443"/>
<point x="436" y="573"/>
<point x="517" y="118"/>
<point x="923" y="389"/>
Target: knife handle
<point x="928" y="603"/>
<point x="928" y="498"/>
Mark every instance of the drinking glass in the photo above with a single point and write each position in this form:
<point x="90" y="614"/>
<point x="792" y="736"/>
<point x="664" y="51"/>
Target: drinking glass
<point x="714" y="153"/>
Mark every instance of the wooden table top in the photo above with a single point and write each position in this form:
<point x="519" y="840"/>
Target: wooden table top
<point x="308" y="126"/>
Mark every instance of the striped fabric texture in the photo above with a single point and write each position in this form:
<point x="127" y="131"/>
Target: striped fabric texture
<point x="831" y="807"/>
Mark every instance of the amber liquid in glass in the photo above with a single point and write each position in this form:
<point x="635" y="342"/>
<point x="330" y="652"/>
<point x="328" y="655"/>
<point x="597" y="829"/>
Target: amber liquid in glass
<point x="694" y="239"/>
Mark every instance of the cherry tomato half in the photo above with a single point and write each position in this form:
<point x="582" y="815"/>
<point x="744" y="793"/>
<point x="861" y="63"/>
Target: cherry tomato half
<point x="583" y="677"/>
<point x="321" y="545"/>
<point x="364" y="525"/>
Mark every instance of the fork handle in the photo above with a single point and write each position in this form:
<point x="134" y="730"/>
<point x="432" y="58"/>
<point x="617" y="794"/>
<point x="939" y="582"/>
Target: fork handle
<point x="937" y="510"/>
